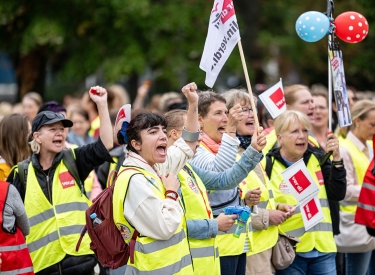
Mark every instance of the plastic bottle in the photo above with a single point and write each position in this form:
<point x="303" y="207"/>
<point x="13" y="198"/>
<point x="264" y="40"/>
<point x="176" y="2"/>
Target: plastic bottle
<point x="95" y="220"/>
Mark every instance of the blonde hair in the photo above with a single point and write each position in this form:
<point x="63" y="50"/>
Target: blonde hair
<point x="360" y="110"/>
<point x="35" y="97"/>
<point x="175" y="119"/>
<point x="291" y="91"/>
<point x="35" y="146"/>
<point x="234" y="96"/>
<point x="288" y="118"/>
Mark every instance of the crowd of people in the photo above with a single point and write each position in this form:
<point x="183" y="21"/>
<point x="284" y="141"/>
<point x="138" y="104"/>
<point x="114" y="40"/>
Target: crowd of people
<point x="182" y="159"/>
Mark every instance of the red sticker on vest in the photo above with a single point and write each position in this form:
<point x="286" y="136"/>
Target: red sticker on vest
<point x="299" y="181"/>
<point x="319" y="175"/>
<point x="66" y="179"/>
<point x="310" y="209"/>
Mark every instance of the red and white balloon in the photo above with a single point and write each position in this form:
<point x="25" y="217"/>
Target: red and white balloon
<point x="351" y="26"/>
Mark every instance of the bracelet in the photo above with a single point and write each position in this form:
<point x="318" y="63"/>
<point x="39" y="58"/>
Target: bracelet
<point x="190" y="136"/>
<point x="171" y="194"/>
<point x="340" y="162"/>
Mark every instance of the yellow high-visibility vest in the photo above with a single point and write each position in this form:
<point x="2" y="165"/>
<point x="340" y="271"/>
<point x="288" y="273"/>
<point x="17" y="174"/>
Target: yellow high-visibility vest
<point x="55" y="228"/>
<point x="263" y="239"/>
<point x="360" y="163"/>
<point x="205" y="253"/>
<point x="151" y="256"/>
<point x="320" y="236"/>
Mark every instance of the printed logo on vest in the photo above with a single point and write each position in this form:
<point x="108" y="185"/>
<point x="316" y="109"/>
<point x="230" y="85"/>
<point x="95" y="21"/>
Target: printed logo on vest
<point x="319" y="175"/>
<point x="124" y="230"/>
<point x="311" y="209"/>
<point x="278" y="98"/>
<point x="299" y="181"/>
<point x="284" y="188"/>
<point x="66" y="179"/>
<point x="192" y="185"/>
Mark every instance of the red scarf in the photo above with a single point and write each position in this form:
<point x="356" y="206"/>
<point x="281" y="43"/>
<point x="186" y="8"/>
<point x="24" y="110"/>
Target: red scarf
<point x="211" y="144"/>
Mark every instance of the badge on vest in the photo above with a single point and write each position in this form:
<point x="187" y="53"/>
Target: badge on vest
<point x="319" y="175"/>
<point x="284" y="188"/>
<point x="124" y="230"/>
<point x="66" y="180"/>
<point x="192" y="185"/>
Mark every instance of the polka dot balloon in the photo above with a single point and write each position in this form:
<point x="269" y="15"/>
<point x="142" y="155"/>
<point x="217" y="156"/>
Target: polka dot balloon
<point x="312" y="26"/>
<point x="351" y="26"/>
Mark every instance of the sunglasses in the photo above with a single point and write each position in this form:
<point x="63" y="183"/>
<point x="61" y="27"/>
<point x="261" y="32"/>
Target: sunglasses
<point x="51" y="115"/>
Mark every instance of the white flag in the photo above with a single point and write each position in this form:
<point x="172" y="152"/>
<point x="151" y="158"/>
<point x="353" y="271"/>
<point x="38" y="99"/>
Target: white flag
<point x="124" y="114"/>
<point x="312" y="212"/>
<point x="273" y="99"/>
<point x="299" y="181"/>
<point x="223" y="35"/>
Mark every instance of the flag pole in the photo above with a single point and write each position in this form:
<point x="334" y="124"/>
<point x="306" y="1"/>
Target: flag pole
<point x="248" y="84"/>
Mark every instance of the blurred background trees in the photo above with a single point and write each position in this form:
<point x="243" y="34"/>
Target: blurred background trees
<point x="61" y="47"/>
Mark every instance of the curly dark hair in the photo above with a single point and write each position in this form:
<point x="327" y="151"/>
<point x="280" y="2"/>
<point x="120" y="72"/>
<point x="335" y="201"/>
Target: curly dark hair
<point x="140" y="122"/>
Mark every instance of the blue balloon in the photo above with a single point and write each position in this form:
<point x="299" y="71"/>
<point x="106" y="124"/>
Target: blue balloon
<point x="312" y="26"/>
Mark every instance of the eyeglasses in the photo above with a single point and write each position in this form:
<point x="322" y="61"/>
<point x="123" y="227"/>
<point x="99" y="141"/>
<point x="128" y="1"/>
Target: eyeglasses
<point x="52" y="115"/>
<point x="246" y="110"/>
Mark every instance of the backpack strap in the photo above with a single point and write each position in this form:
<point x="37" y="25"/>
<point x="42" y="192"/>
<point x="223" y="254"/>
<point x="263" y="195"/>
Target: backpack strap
<point x="70" y="163"/>
<point x="22" y="170"/>
<point x="268" y="168"/>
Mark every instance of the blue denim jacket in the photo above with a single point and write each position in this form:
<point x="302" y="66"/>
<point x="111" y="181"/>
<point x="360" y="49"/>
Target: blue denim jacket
<point x="207" y="228"/>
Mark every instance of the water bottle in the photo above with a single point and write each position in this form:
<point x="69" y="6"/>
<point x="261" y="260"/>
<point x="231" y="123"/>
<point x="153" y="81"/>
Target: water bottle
<point x="95" y="220"/>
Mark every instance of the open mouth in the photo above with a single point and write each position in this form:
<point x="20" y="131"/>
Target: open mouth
<point x="310" y="116"/>
<point x="250" y="123"/>
<point x="221" y="130"/>
<point x="300" y="145"/>
<point x="57" y="142"/>
<point x="162" y="149"/>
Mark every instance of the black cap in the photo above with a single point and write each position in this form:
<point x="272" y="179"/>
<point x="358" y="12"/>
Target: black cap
<point x="48" y="117"/>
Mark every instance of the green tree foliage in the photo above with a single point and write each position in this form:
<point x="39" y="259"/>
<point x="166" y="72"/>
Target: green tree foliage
<point x="122" y="37"/>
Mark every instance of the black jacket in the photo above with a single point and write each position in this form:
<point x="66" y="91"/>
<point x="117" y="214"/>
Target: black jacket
<point x="87" y="158"/>
<point x="102" y="171"/>
<point x="334" y="181"/>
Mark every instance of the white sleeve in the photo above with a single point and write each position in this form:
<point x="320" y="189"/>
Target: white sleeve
<point x="177" y="156"/>
<point x="151" y="216"/>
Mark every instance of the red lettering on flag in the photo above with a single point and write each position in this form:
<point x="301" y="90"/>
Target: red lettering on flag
<point x="278" y="98"/>
<point x="66" y="179"/>
<point x="319" y="175"/>
<point x="299" y="181"/>
<point x="311" y="209"/>
<point x="227" y="11"/>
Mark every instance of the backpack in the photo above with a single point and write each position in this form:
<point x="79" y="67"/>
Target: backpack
<point x="106" y="239"/>
<point x="69" y="162"/>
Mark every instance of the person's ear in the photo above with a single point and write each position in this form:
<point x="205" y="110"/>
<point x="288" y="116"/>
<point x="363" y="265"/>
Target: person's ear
<point x="173" y="134"/>
<point x="200" y="120"/>
<point x="287" y="106"/>
<point x="136" y="145"/>
<point x="36" y="137"/>
<point x="270" y="122"/>
<point x="279" y="139"/>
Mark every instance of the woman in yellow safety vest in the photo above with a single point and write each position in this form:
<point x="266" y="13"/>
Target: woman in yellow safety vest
<point x="53" y="193"/>
<point x="356" y="150"/>
<point x="317" y="249"/>
<point x="202" y="227"/>
<point x="270" y="215"/>
<point x="145" y="194"/>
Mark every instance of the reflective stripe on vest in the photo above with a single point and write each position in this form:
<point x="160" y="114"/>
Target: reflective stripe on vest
<point x="25" y="270"/>
<point x="228" y="245"/>
<point x="360" y="163"/>
<point x="197" y="207"/>
<point x="263" y="239"/>
<point x="15" y="255"/>
<point x="182" y="267"/>
<point x="55" y="229"/>
<point x="320" y="236"/>
<point x="152" y="256"/>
